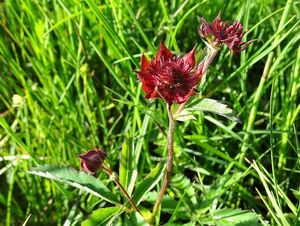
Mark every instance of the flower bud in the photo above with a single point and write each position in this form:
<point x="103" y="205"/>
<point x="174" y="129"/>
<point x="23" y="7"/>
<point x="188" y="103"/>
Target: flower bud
<point x="219" y="32"/>
<point x="92" y="160"/>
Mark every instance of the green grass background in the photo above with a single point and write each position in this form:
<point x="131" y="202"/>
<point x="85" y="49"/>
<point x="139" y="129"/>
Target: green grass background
<point x="68" y="83"/>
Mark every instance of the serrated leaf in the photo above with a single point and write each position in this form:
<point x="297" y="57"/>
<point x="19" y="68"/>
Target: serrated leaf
<point x="213" y="106"/>
<point x="101" y="216"/>
<point x="232" y="217"/>
<point x="74" y="178"/>
<point x="149" y="182"/>
<point x="184" y="185"/>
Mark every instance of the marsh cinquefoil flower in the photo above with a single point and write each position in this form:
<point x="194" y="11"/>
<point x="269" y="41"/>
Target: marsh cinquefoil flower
<point x="92" y="160"/>
<point x="218" y="33"/>
<point x="169" y="77"/>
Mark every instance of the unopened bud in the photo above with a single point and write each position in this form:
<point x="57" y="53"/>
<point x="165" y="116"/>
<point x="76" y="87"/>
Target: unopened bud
<point x="92" y="160"/>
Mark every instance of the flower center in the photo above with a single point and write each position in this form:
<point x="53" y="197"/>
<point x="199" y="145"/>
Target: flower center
<point x="170" y="76"/>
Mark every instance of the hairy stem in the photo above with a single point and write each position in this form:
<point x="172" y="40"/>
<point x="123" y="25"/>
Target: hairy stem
<point x="117" y="182"/>
<point x="207" y="61"/>
<point x="169" y="162"/>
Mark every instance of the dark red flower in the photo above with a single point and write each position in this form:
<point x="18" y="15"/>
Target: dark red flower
<point x="92" y="160"/>
<point x="218" y="33"/>
<point x="169" y="77"/>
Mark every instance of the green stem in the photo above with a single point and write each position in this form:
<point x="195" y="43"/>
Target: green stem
<point x="288" y="117"/>
<point x="169" y="163"/>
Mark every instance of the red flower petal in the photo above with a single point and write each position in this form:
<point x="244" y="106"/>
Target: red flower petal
<point x="145" y="63"/>
<point x="217" y="22"/>
<point x="189" y="58"/>
<point x="148" y="87"/>
<point x="163" y="53"/>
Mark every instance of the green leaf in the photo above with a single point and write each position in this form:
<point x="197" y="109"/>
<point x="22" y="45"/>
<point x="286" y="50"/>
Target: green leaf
<point x="232" y="217"/>
<point x="15" y="137"/>
<point x="184" y="186"/>
<point x="184" y="115"/>
<point x="128" y="169"/>
<point x="109" y="27"/>
<point x="149" y="182"/>
<point x="180" y="224"/>
<point x="135" y="218"/>
<point x="135" y="21"/>
<point x="101" y="216"/>
<point x="213" y="106"/>
<point x="72" y="177"/>
<point x="124" y="163"/>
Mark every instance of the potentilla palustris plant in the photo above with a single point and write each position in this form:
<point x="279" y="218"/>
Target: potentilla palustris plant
<point x="174" y="79"/>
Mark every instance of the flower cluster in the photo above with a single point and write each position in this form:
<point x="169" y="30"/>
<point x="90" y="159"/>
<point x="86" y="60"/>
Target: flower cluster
<point x="218" y="33"/>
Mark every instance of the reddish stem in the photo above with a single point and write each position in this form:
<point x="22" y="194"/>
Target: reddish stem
<point x="117" y="182"/>
<point x="169" y="162"/>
